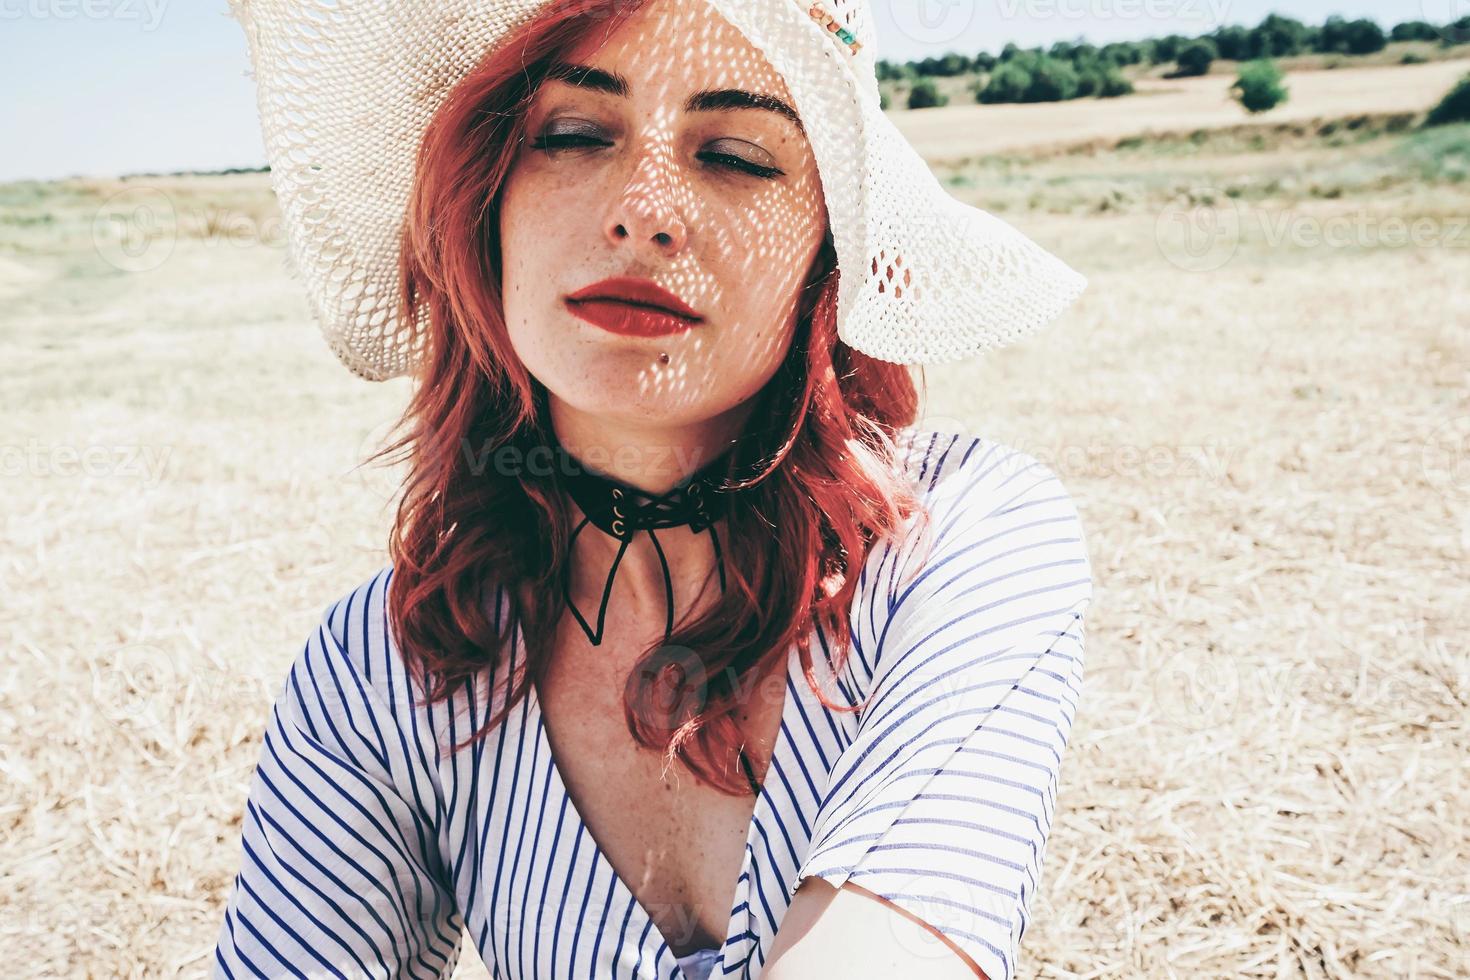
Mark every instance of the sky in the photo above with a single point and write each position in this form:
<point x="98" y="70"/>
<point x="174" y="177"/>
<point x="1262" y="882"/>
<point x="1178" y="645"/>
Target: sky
<point x="111" y="87"/>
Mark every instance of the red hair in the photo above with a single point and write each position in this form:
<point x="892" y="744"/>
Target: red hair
<point x="818" y="458"/>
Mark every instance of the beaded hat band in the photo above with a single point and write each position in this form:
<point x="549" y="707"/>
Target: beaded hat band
<point x="821" y="16"/>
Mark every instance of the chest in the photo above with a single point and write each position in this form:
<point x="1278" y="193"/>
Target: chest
<point x="677" y="843"/>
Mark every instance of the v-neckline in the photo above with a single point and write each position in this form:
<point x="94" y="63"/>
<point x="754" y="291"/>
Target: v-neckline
<point x="741" y="887"/>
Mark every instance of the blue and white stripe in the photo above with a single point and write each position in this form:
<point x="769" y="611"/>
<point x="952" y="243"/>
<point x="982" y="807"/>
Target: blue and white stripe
<point x="367" y="848"/>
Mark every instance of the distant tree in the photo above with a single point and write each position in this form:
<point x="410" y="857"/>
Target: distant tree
<point x="1259" y="87"/>
<point x="929" y="67"/>
<point x="883" y="101"/>
<point x="1233" y="42"/>
<point x="1333" y="37"/>
<point x="945" y="66"/>
<point x="1167" y="48"/>
<point x="925" y="96"/>
<point x="1365" y="37"/>
<point x="1276" y="36"/>
<point x="1197" y="56"/>
<point x="888" y="71"/>
<point x="1053" y="81"/>
<point x="1028" y="58"/>
<point x="984" y="61"/>
<point x="1113" y="84"/>
<point x="1034" y="75"/>
<point x="1008" y="83"/>
<point x="1122" y="52"/>
<point x="1009" y="51"/>
<point x="1455" y="107"/>
<point x="1089" y="80"/>
<point x="1414" y="30"/>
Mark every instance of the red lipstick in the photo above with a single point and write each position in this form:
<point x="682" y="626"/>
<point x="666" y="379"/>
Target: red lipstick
<point x="633" y="307"/>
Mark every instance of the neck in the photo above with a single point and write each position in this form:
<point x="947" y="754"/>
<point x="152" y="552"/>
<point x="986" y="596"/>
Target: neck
<point x="654" y="460"/>
<point x="638" y="590"/>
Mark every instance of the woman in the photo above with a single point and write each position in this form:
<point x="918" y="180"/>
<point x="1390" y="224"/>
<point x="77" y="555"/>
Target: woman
<point x="661" y="267"/>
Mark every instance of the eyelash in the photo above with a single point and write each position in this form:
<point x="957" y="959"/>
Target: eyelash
<point x="559" y="141"/>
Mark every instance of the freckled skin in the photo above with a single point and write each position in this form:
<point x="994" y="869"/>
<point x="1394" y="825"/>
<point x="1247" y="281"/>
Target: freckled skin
<point x="648" y="201"/>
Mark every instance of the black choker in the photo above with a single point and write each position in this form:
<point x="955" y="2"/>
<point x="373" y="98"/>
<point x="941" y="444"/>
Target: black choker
<point x="621" y="511"/>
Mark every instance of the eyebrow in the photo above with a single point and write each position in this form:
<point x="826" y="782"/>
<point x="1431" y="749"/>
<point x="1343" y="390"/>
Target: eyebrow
<point x="708" y="100"/>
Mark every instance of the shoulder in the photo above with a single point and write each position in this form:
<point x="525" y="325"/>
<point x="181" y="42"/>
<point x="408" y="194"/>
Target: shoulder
<point x="358" y="624"/>
<point x="999" y="529"/>
<point x="355" y="633"/>
<point x="980" y="474"/>
<point x="351" y="656"/>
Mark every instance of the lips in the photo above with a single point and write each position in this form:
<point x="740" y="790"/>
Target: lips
<point x="632" y="307"/>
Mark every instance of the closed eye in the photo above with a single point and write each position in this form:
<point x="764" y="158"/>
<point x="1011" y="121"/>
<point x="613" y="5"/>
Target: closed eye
<point x="552" y="142"/>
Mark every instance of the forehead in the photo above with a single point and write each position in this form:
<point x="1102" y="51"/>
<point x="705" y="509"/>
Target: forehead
<point x="676" y="47"/>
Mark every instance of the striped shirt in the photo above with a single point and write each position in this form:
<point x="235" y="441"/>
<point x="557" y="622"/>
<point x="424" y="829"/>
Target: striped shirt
<point x="368" y="851"/>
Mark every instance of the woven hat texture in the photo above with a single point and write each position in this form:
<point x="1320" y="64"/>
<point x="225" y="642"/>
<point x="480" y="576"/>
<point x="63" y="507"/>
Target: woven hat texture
<point x="346" y="88"/>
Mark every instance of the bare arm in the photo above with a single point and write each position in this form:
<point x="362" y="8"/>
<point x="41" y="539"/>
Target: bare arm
<point x="853" y="933"/>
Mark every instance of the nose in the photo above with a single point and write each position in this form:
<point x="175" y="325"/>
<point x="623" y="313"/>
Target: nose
<point x="646" y="215"/>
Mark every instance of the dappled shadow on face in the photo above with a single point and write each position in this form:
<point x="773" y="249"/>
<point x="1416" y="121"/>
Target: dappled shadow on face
<point x="647" y="166"/>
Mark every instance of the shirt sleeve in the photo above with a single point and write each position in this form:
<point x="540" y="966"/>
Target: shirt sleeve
<point x="943" y="801"/>
<point x="340" y="873"/>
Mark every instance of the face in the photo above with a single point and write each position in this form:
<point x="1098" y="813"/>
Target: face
<point x="720" y="206"/>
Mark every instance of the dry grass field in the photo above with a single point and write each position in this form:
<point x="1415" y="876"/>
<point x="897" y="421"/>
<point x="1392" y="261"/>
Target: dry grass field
<point x="1261" y="405"/>
<point x="965" y="128"/>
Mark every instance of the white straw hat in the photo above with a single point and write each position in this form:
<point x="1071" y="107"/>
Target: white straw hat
<point x="346" y="90"/>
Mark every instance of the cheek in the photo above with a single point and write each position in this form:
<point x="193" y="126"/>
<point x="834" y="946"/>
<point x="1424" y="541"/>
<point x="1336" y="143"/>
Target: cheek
<point x="546" y="227"/>
<point x="537" y="211"/>
<point x="767" y="253"/>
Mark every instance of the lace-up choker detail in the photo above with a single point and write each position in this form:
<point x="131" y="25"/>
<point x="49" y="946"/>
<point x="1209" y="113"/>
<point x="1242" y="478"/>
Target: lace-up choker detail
<point x="623" y="511"/>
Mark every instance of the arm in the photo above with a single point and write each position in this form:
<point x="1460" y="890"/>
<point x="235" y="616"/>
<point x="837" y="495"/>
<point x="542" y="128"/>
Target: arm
<point x="930" y="839"/>
<point x="340" y="873"/>
<point x="855" y="934"/>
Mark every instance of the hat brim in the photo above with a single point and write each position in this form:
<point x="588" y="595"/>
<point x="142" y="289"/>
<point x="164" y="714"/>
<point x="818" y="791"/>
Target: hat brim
<point x="346" y="93"/>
